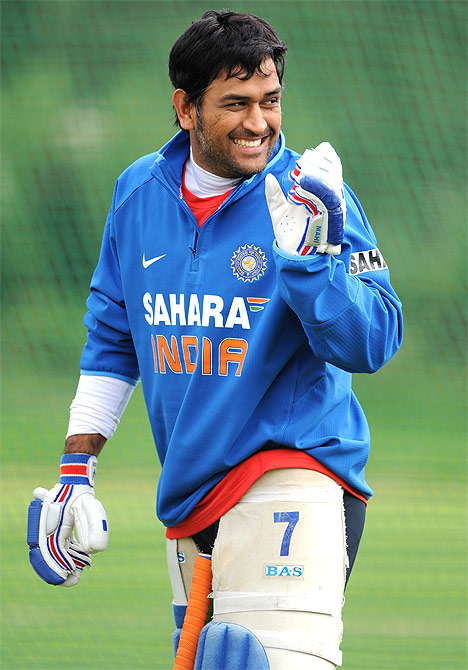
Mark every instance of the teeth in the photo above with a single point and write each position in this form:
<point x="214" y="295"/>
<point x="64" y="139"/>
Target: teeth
<point x="248" y="143"/>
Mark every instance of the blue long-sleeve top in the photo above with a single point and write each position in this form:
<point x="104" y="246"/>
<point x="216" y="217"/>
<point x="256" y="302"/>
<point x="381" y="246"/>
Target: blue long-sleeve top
<point x="239" y="346"/>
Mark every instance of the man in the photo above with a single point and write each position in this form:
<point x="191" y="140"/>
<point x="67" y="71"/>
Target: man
<point x="229" y="282"/>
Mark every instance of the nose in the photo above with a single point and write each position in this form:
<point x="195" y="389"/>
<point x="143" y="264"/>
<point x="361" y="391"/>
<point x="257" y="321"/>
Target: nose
<point x="254" y="121"/>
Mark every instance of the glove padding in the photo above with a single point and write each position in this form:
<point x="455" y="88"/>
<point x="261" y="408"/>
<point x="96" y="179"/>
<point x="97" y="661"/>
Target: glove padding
<point x="311" y="218"/>
<point x="55" y="554"/>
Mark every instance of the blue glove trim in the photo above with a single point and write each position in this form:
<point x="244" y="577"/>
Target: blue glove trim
<point x="335" y="226"/>
<point x="74" y="458"/>
<point x="332" y="202"/>
<point x="42" y="569"/>
<point x="34" y="518"/>
<point x="73" y="479"/>
<point x="35" y="555"/>
<point x="316" y="186"/>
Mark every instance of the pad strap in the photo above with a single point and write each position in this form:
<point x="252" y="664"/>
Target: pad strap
<point x="297" y="642"/>
<point x="319" y="603"/>
<point x="313" y="494"/>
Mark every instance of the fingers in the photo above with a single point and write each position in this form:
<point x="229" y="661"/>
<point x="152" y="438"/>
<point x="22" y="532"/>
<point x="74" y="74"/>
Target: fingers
<point x="322" y="161"/>
<point x="326" y="150"/>
<point x="81" y="558"/>
<point x="91" y="524"/>
<point x="317" y="186"/>
<point x="321" y="173"/>
<point x="72" y="579"/>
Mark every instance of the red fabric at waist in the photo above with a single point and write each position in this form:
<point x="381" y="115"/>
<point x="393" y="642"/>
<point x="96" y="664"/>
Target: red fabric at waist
<point x="233" y="486"/>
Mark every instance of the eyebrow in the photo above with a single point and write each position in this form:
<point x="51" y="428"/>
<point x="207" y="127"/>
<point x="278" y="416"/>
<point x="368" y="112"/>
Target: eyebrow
<point x="235" y="97"/>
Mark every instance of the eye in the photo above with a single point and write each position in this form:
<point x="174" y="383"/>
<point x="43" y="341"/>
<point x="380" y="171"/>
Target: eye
<point x="272" y="102"/>
<point x="238" y="104"/>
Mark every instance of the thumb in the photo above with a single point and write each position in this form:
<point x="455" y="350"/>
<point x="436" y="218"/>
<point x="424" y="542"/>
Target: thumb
<point x="40" y="493"/>
<point x="274" y="194"/>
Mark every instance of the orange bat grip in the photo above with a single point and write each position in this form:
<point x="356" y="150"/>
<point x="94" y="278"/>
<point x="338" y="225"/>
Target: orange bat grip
<point x="197" y="611"/>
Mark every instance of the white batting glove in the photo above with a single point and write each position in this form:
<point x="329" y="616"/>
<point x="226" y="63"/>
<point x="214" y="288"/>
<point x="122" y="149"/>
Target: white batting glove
<point x="55" y="554"/>
<point x="310" y="219"/>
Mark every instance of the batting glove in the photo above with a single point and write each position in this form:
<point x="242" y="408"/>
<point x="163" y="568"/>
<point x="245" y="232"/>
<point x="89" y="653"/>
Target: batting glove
<point x="55" y="554"/>
<point x="310" y="218"/>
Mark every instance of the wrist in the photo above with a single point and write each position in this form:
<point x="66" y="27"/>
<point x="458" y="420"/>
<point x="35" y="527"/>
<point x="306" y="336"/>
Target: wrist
<point x="85" y="443"/>
<point x="78" y="469"/>
<point x="307" y="258"/>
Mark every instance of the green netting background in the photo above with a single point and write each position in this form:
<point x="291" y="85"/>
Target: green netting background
<point x="85" y="92"/>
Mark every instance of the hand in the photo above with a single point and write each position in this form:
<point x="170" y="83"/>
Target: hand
<point x="55" y="554"/>
<point x="311" y="218"/>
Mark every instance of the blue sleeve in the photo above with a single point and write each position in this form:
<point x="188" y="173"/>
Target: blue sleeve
<point x="109" y="348"/>
<point x="352" y="319"/>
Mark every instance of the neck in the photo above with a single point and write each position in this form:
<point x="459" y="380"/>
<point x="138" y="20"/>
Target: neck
<point x="205" y="184"/>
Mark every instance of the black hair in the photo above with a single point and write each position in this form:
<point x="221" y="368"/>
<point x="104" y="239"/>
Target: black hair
<point x="225" y="41"/>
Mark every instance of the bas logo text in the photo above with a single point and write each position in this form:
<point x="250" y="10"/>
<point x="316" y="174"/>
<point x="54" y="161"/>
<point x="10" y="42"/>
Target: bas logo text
<point x="284" y="570"/>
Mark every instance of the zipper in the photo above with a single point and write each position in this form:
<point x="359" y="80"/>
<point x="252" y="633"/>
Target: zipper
<point x="181" y="202"/>
<point x="193" y="248"/>
<point x="197" y="229"/>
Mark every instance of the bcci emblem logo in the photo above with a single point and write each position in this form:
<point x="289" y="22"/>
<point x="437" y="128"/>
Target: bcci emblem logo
<point x="248" y="263"/>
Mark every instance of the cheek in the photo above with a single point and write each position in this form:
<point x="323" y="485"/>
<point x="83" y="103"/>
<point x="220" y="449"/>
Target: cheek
<point x="275" y="119"/>
<point x="218" y="124"/>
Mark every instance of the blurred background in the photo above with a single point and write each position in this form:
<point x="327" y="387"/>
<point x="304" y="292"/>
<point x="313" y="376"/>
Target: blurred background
<point x="85" y="93"/>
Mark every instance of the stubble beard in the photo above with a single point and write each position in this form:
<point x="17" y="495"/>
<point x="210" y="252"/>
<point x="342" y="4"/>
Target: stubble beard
<point x="219" y="162"/>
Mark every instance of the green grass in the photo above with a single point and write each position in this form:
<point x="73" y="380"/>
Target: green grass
<point x="86" y="92"/>
<point x="119" y="616"/>
<point x="406" y="600"/>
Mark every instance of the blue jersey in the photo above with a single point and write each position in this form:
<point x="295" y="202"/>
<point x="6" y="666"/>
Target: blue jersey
<point x="239" y="347"/>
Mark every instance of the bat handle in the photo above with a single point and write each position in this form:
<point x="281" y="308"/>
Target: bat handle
<point x="197" y="611"/>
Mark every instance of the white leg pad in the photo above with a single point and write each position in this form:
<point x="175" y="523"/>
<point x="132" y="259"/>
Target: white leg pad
<point x="181" y="556"/>
<point x="283" y="575"/>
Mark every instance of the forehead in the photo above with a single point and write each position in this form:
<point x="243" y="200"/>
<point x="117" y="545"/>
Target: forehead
<point x="257" y="86"/>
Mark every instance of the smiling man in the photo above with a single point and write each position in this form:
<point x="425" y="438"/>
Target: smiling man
<point x="230" y="285"/>
<point x="235" y="130"/>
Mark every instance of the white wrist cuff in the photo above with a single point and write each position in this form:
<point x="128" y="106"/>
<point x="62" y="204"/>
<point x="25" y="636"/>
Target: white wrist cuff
<point x="98" y="405"/>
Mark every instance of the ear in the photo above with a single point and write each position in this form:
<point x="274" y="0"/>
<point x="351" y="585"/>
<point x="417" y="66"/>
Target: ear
<point x="185" y="110"/>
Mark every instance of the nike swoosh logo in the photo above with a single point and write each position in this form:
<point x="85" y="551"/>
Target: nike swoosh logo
<point x="147" y="263"/>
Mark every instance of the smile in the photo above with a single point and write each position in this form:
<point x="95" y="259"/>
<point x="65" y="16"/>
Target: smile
<point x="248" y="143"/>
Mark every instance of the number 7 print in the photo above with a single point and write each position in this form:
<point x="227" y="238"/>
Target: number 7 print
<point x="291" y="518"/>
